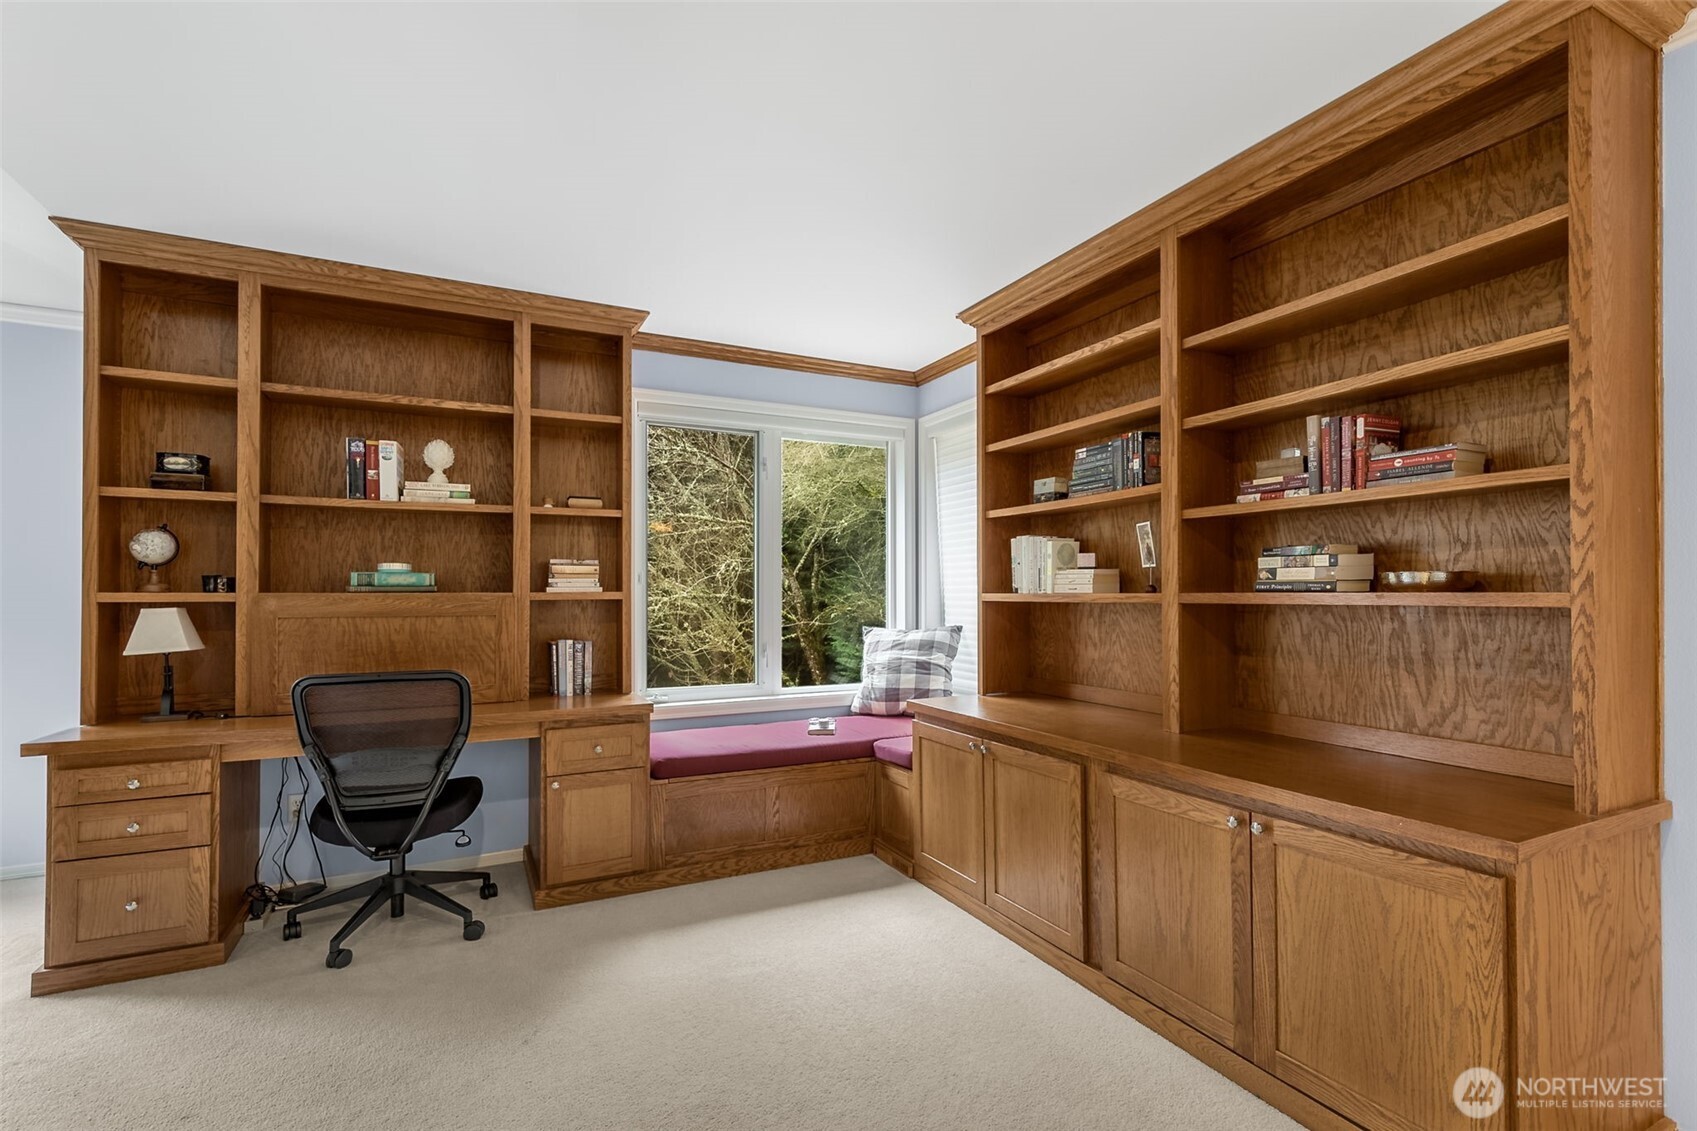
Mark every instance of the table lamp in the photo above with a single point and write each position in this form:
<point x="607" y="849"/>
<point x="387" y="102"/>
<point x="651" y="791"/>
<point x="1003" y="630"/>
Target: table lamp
<point x="163" y="631"/>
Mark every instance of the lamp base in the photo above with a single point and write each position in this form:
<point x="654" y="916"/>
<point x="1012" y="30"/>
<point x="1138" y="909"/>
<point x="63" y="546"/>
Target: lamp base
<point x="172" y="718"/>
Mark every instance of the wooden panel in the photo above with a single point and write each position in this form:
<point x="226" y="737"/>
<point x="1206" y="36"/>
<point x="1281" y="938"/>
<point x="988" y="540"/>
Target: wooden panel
<point x="595" y="825"/>
<point x="576" y="461"/>
<point x="311" y="550"/>
<point x="304" y="635"/>
<point x="1379" y="976"/>
<point x="145" y="421"/>
<point x="1175" y="908"/>
<point x="113" y="781"/>
<point x="576" y="750"/>
<point x="172" y="322"/>
<point x="575" y="372"/>
<point x="235" y="844"/>
<point x="1103" y="652"/>
<point x="950" y="777"/>
<point x="205" y="679"/>
<point x="704" y="818"/>
<point x="127" y="905"/>
<point x="1034" y="855"/>
<point x="82" y="831"/>
<point x="1588" y="953"/>
<point x="894" y="808"/>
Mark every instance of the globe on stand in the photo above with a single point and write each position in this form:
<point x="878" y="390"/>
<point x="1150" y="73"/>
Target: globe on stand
<point x="152" y="549"/>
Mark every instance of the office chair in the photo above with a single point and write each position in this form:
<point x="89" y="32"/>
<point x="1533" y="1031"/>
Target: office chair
<point x="382" y="745"/>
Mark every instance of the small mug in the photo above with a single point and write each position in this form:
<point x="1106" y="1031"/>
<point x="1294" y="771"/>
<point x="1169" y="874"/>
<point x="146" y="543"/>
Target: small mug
<point x="217" y="583"/>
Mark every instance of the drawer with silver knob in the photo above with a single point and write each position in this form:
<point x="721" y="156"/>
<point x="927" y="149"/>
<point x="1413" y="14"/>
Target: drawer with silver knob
<point x="81" y="832"/>
<point x="128" y="781"/>
<point x="583" y="750"/>
<point x="121" y="905"/>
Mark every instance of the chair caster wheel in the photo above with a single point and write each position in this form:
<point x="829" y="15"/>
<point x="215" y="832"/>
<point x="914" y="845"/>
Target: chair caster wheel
<point x="473" y="930"/>
<point x="291" y="930"/>
<point x="338" y="958"/>
<point x="488" y="891"/>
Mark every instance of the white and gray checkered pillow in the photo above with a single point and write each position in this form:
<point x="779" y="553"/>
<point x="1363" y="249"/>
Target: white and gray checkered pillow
<point x="898" y="664"/>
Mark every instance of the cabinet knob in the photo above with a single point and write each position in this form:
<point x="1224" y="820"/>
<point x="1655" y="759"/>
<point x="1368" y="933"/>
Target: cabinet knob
<point x="598" y="748"/>
<point x="133" y="783"/>
<point x="1256" y="827"/>
<point x="130" y="906"/>
<point x="1231" y="821"/>
<point x="553" y="785"/>
<point x="132" y="827"/>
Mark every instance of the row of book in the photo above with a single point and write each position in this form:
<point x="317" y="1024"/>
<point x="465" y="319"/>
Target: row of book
<point x="1130" y="459"/>
<point x="1044" y="564"/>
<point x="376" y="470"/>
<point x="571" y="666"/>
<point x="1353" y="452"/>
<point x="1321" y="567"/>
<point x="392" y="577"/>
<point x="574" y="575"/>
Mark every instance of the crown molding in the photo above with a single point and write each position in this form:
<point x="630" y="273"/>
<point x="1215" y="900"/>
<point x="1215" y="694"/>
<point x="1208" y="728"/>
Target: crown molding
<point x="769" y="359"/>
<point x="1685" y="36"/>
<point x="948" y="363"/>
<point x="53" y="316"/>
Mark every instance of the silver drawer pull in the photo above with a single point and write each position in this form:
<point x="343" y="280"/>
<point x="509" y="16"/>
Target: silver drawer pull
<point x="1256" y="827"/>
<point x="132" y="828"/>
<point x="598" y="748"/>
<point x="133" y="783"/>
<point x="130" y="906"/>
<point x="553" y="785"/>
<point x="1231" y="821"/>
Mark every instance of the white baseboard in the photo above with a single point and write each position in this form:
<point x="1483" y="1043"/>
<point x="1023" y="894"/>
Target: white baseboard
<point x="22" y="871"/>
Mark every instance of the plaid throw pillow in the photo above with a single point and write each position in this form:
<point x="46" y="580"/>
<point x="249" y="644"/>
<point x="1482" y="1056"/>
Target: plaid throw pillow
<point x="899" y="664"/>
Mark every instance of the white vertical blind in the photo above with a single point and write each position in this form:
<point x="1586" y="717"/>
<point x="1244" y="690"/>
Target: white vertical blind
<point x="955" y="473"/>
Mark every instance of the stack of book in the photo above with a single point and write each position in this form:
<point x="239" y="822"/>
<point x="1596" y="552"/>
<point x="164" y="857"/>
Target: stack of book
<point x="574" y="575"/>
<point x="375" y="469"/>
<point x="1422" y="465"/>
<point x="1131" y="459"/>
<point x="1276" y="478"/>
<point x="571" y="669"/>
<point x="391" y="577"/>
<point x="1038" y="558"/>
<point x="424" y="491"/>
<point x="1317" y="568"/>
<point x="1087" y="581"/>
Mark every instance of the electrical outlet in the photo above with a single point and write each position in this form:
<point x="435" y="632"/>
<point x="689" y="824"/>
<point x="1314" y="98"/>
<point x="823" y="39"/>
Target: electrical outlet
<point x="296" y="800"/>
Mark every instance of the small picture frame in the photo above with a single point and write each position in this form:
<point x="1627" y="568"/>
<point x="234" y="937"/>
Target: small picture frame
<point x="1146" y="551"/>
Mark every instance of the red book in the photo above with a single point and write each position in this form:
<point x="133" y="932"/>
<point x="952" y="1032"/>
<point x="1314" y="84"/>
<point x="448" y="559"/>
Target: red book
<point x="1346" y="462"/>
<point x="1424" y="455"/>
<point x="372" y="490"/>
<point x="1328" y="458"/>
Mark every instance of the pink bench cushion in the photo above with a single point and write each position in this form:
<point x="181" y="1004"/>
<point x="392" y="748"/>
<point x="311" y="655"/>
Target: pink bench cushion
<point x="766" y="746"/>
<point x="895" y="751"/>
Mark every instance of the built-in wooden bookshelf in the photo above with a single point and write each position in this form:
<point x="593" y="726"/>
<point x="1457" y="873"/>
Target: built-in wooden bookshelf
<point x="266" y="363"/>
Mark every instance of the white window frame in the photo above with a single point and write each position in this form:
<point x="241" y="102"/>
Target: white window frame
<point x="955" y="416"/>
<point x="771" y="423"/>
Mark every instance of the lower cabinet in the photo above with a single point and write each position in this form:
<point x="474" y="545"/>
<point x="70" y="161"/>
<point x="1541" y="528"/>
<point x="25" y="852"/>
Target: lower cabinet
<point x="1034" y="843"/>
<point x="892" y="809"/>
<point x="594" y="825"/>
<point x="949" y="770"/>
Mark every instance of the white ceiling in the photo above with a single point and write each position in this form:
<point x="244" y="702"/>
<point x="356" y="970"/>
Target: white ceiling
<point x="829" y="179"/>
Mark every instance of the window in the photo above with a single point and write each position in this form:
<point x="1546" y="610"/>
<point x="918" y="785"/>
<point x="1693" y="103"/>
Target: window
<point x="950" y="507"/>
<point x="769" y="543"/>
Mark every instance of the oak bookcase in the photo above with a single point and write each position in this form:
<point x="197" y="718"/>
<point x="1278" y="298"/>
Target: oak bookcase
<point x="266" y="362"/>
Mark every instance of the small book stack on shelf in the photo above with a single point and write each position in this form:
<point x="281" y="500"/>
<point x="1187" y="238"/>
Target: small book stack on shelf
<point x="1131" y="459"/>
<point x="391" y="577"/>
<point x="1089" y="580"/>
<point x="375" y="469"/>
<point x="1038" y="558"/>
<point x="571" y="666"/>
<point x="574" y="575"/>
<point x="424" y="491"/>
<point x="1276" y="478"/>
<point x="1440" y="461"/>
<point x="1318" y="568"/>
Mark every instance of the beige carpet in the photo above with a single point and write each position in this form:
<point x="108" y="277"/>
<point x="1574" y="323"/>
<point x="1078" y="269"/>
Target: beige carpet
<point x="837" y="995"/>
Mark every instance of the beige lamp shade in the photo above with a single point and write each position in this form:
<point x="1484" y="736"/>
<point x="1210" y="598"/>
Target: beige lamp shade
<point x="163" y="630"/>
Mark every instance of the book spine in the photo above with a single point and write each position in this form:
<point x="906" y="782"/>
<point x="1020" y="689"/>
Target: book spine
<point x="1296" y="587"/>
<point x="1467" y="449"/>
<point x="1411" y="471"/>
<point x="588" y="666"/>
<point x="1305" y="573"/>
<point x="1280" y="483"/>
<point x="553" y="667"/>
<point x="1291" y="561"/>
<point x="389" y="474"/>
<point x="1362" y="447"/>
<point x="371" y="472"/>
<point x="1328" y="466"/>
<point x="1313" y="431"/>
<point x="1263" y="496"/>
<point x="356" y="467"/>
<point x="1346" y="454"/>
<point x="1439" y="455"/>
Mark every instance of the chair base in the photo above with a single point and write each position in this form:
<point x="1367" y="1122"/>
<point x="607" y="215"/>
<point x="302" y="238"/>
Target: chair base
<point x="392" y="889"/>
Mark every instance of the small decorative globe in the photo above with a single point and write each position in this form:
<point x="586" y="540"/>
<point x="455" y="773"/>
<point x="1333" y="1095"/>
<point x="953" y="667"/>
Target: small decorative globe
<point x="438" y="457"/>
<point x="155" y="547"/>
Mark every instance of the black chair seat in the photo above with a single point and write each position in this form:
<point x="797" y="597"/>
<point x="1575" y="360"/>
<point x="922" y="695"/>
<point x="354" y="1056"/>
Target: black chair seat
<point x="385" y="828"/>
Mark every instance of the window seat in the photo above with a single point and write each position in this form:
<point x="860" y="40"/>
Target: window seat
<point x="767" y="746"/>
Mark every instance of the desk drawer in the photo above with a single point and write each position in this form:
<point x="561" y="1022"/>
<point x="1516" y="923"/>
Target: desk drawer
<point x="579" y="750"/>
<point x="129" y="781"/>
<point x="117" y="827"/>
<point x="127" y="905"/>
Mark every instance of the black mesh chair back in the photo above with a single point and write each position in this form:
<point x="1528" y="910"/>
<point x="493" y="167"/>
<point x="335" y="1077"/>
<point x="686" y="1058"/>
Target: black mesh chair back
<point x="382" y="741"/>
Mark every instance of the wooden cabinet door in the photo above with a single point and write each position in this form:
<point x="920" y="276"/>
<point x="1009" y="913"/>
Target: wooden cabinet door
<point x="595" y="825"/>
<point x="951" y="809"/>
<point x="1173" y="897"/>
<point x="1379" y="977"/>
<point x="1034" y="844"/>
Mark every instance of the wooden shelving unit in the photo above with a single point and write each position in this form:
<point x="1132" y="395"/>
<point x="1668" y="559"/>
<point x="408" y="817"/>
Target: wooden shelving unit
<point x="266" y="362"/>
<point x="1100" y="356"/>
<point x="1468" y="485"/>
<point x="1098" y="501"/>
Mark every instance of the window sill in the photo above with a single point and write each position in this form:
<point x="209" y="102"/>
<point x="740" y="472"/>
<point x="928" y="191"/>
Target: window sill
<point x="755" y="704"/>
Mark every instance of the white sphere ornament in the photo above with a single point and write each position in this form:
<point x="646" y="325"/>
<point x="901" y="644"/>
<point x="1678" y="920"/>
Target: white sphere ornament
<point x="438" y="457"/>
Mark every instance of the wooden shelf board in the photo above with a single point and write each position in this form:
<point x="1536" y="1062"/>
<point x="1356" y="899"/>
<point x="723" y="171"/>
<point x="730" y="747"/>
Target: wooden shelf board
<point x="1477" y="600"/>
<point x="160" y="495"/>
<point x="1520" y="244"/>
<point x="165" y="598"/>
<point x="390" y="402"/>
<point x="162" y="379"/>
<point x="1528" y="351"/>
<point x="1128" y="345"/>
<point x="1081" y="503"/>
<point x="1084" y="427"/>
<point x="603" y="596"/>
<point x="575" y="512"/>
<point x="575" y="419"/>
<point x="1074" y="598"/>
<point x="1470" y="485"/>
<point x="357" y="504"/>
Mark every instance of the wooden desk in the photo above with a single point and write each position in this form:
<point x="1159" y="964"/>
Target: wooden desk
<point x="153" y="829"/>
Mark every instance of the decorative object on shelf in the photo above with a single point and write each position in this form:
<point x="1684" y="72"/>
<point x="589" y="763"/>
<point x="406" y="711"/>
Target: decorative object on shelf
<point x="438" y="457"/>
<point x="548" y="502"/>
<point x="585" y="502"/>
<point x="182" y="463"/>
<point x="161" y="632"/>
<point x="1429" y="580"/>
<point x="151" y="549"/>
<point x="1146" y="552"/>
<point x="217" y="583"/>
<point x="1049" y="489"/>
